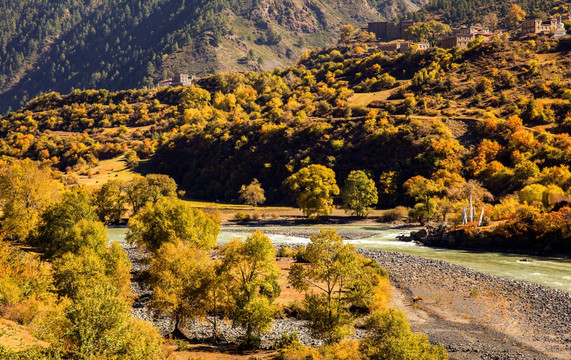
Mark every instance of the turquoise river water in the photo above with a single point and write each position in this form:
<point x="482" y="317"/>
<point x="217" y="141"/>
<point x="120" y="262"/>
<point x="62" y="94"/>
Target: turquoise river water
<point x="548" y="271"/>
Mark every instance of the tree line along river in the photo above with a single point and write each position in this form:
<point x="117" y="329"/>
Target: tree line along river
<point x="547" y="271"/>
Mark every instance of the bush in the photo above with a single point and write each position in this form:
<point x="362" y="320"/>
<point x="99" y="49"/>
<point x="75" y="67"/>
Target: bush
<point x="390" y="337"/>
<point x="399" y="213"/>
<point x="343" y="350"/>
<point x="181" y="345"/>
<point x="250" y="342"/>
<point x="255" y="215"/>
<point x="300" y="255"/>
<point x="284" y="251"/>
<point x="293" y="309"/>
<point x="287" y="340"/>
<point x="241" y="216"/>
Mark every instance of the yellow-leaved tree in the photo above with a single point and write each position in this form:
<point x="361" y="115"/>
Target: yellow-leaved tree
<point x="185" y="284"/>
<point x="170" y="220"/>
<point x="26" y="189"/>
<point x="315" y="187"/>
<point x="335" y="279"/>
<point x="250" y="274"/>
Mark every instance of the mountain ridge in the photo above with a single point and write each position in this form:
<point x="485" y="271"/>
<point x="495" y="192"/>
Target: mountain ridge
<point x="129" y="44"/>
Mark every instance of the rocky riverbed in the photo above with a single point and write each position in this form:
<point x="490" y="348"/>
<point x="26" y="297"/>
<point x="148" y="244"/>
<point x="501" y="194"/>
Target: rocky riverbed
<point x="284" y="228"/>
<point x="306" y="232"/>
<point x="202" y="331"/>
<point x="474" y="315"/>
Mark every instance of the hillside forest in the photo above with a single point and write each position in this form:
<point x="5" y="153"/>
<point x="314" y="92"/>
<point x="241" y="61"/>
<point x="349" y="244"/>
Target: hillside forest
<point x="425" y="126"/>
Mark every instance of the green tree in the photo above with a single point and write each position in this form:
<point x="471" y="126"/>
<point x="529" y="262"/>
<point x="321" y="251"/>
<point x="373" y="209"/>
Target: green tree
<point x="524" y="171"/>
<point x="110" y="201"/>
<point x="100" y="326"/>
<point x="170" y="220"/>
<point x="250" y="272"/>
<point x="86" y="268"/>
<point x="429" y="31"/>
<point x="532" y="193"/>
<point x="422" y="190"/>
<point x="315" y="187"/>
<point x="552" y="195"/>
<point x="183" y="279"/>
<point x="335" y="278"/>
<point x="390" y="338"/>
<point x="69" y="225"/>
<point x="149" y="188"/>
<point x="26" y="189"/>
<point x="94" y="320"/>
<point x="359" y="193"/>
<point x="252" y="194"/>
<point x="132" y="159"/>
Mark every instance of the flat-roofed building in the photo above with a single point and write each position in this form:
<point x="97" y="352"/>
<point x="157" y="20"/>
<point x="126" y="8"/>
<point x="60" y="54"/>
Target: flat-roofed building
<point x="389" y="30"/>
<point x="461" y="37"/>
<point x="177" y="80"/>
<point x="538" y="26"/>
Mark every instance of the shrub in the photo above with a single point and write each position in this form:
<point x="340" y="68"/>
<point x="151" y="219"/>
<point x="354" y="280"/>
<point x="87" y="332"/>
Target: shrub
<point x="390" y="337"/>
<point x="399" y="213"/>
<point x="255" y="215"/>
<point x="284" y="251"/>
<point x="249" y="342"/>
<point x="300" y="255"/>
<point x="343" y="350"/>
<point x="241" y="216"/>
<point x="287" y="340"/>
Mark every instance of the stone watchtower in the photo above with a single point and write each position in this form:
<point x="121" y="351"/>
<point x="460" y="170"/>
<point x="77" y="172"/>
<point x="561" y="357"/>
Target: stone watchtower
<point x="389" y="30"/>
<point x="181" y="80"/>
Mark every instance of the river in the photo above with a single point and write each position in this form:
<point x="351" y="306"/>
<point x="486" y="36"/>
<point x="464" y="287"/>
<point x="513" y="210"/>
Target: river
<point x="547" y="271"/>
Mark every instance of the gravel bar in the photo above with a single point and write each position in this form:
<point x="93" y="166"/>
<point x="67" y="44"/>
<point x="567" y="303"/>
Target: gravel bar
<point x="480" y="316"/>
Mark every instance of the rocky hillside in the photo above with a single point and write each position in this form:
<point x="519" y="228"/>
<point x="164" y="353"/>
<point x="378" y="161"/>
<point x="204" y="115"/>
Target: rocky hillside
<point x="124" y="44"/>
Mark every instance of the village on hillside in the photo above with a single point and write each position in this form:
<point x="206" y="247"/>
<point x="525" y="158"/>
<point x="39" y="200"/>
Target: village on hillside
<point x="391" y="34"/>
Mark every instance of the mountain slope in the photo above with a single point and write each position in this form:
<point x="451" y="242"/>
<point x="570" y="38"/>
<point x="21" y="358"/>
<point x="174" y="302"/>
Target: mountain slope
<point x="498" y="112"/>
<point x="133" y="43"/>
<point x="473" y="11"/>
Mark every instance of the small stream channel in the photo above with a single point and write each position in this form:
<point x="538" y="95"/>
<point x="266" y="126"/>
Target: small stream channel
<point x="547" y="271"/>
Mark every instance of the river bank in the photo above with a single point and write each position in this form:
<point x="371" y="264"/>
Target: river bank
<point x="487" y="239"/>
<point x="474" y="315"/>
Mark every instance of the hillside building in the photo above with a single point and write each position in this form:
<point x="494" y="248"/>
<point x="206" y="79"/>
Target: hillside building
<point x="462" y="36"/>
<point x="402" y="46"/>
<point x="389" y="30"/>
<point x="538" y="26"/>
<point x="177" y="80"/>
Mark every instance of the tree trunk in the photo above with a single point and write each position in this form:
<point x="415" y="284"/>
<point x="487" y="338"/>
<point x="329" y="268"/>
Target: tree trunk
<point x="176" y="333"/>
